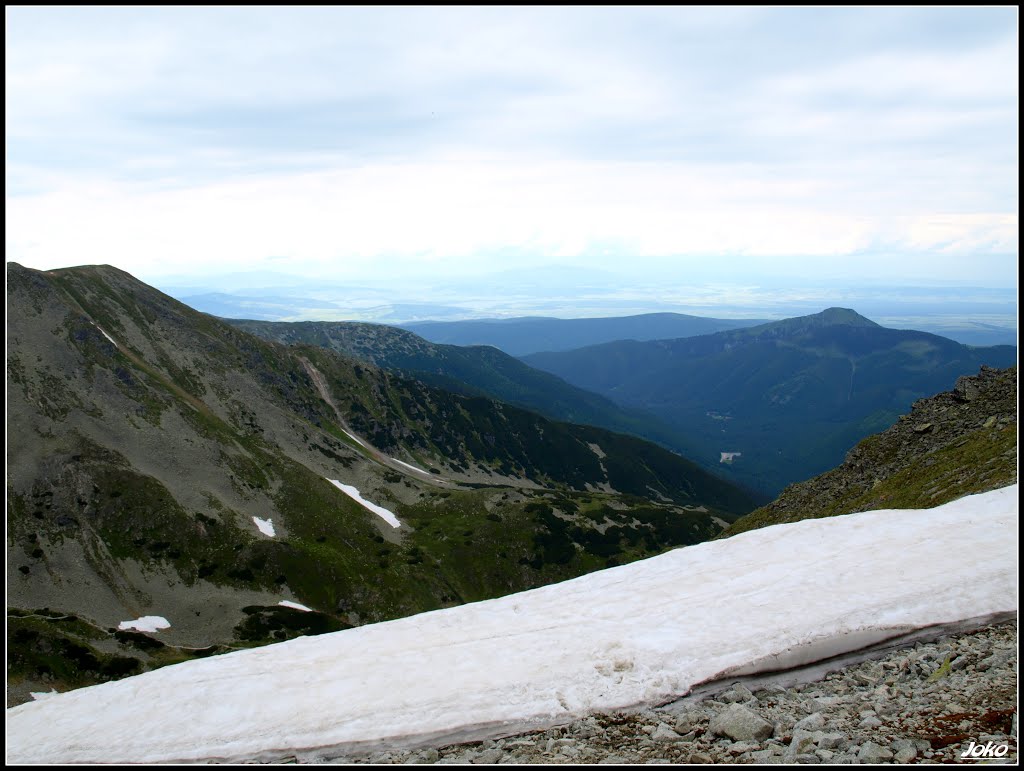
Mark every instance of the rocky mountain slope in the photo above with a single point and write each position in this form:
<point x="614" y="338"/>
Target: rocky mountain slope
<point x="949" y="445"/>
<point x="163" y="463"/>
<point x="778" y="403"/>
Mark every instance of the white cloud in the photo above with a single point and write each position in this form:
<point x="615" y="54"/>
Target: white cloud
<point x="450" y="213"/>
<point x="364" y="137"/>
<point x="973" y="74"/>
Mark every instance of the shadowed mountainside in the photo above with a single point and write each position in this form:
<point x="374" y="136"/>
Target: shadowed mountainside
<point x="956" y="443"/>
<point x="777" y="403"/>
<point x="472" y="370"/>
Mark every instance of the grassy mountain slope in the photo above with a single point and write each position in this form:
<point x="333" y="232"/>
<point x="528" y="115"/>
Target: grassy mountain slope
<point x="472" y="370"/>
<point x="956" y="443"/>
<point x="145" y="437"/>
<point x="522" y="336"/>
<point x="791" y="397"/>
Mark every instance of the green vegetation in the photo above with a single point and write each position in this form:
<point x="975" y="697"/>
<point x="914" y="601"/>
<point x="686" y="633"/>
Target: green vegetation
<point x="979" y="462"/>
<point x="267" y="624"/>
<point x="943" y="670"/>
<point x="48" y="650"/>
<point x="60" y="650"/>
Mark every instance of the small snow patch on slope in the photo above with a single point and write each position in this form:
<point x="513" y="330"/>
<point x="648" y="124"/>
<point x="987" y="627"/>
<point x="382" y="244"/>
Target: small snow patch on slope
<point x="297" y="606"/>
<point x="266" y="526"/>
<point x="409" y="465"/>
<point x="146" y="624"/>
<point x="380" y="511"/>
<point x="105" y="334"/>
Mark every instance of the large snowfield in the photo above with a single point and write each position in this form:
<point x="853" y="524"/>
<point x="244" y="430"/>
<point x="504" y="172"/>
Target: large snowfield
<point x="638" y="634"/>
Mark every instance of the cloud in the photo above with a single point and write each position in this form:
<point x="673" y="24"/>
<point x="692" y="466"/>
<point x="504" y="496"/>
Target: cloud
<point x="362" y="137"/>
<point x="448" y="214"/>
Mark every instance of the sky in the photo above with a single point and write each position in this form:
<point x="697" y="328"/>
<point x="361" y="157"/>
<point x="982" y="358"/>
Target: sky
<point x="365" y="143"/>
<point x="639" y="634"/>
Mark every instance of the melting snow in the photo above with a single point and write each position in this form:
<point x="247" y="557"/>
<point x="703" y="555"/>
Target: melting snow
<point x="408" y="465"/>
<point x="105" y="334"/>
<point x="146" y="624"/>
<point x="266" y="526"/>
<point x="355" y="438"/>
<point x="639" y="633"/>
<point x="728" y="456"/>
<point x="380" y="511"/>
<point x="297" y="606"/>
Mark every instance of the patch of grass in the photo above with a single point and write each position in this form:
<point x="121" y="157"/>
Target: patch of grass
<point x="982" y="461"/>
<point x="41" y="650"/>
<point x="267" y="624"/>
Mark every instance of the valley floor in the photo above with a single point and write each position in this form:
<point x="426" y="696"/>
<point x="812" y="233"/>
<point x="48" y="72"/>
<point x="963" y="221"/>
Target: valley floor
<point x="921" y="704"/>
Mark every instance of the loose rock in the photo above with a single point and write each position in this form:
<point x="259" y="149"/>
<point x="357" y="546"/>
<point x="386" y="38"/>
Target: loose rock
<point x="739" y="723"/>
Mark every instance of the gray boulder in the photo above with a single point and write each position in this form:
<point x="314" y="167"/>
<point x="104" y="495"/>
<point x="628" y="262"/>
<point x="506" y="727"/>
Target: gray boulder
<point x="741" y="724"/>
<point x="811" y="722"/>
<point x="873" y="753"/>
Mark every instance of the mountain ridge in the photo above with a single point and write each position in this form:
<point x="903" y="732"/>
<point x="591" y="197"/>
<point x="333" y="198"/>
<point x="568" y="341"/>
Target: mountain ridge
<point x="472" y="370"/>
<point x="779" y="402"/>
<point x="164" y="463"/>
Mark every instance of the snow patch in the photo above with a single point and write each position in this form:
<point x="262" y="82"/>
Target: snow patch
<point x="355" y="439"/>
<point x="297" y="606"/>
<point x="146" y="624"/>
<point x="410" y="466"/>
<point x="40" y="695"/>
<point x="105" y="334"/>
<point x="728" y="456"/>
<point x="643" y="633"/>
<point x="380" y="511"/>
<point x="266" y="526"/>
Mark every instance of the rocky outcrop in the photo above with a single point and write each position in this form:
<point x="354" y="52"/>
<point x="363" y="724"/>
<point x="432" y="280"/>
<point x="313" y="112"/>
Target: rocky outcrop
<point x="956" y="443"/>
<point x="922" y="704"/>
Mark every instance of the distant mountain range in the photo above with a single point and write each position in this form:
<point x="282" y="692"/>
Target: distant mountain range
<point x="163" y="464"/>
<point x="779" y="402"/>
<point x="522" y="336"/>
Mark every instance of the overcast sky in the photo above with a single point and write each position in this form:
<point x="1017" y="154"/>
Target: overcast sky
<point x="367" y="142"/>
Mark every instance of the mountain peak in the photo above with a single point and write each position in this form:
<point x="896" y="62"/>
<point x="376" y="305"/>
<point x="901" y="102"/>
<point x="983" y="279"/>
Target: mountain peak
<point x="842" y="316"/>
<point x="830" y="317"/>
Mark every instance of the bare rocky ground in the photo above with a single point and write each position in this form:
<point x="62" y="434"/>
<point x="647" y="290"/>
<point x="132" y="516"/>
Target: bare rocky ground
<point x="921" y="704"/>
